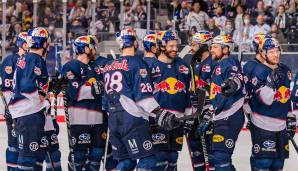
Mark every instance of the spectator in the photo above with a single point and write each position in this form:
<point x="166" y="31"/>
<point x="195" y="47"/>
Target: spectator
<point x="197" y="18"/>
<point x="48" y="14"/>
<point x="278" y="34"/>
<point x="282" y="19"/>
<point x="45" y="22"/>
<point x="247" y="27"/>
<point x="113" y="16"/>
<point x="141" y="17"/>
<point x="261" y="10"/>
<point x="219" y="18"/>
<point x="229" y="28"/>
<point x="129" y="18"/>
<point x="181" y="14"/>
<point x="157" y="26"/>
<point x="260" y="27"/>
<point x="77" y="12"/>
<point x="214" y="6"/>
<point x="231" y="11"/>
<point x="239" y="17"/>
<point x="245" y="44"/>
<point x="212" y="28"/>
<point x="293" y="7"/>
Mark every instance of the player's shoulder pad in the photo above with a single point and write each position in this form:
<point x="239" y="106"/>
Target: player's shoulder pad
<point x="73" y="66"/>
<point x="102" y="60"/>
<point x="284" y="67"/>
<point x="261" y="71"/>
<point x="180" y="61"/>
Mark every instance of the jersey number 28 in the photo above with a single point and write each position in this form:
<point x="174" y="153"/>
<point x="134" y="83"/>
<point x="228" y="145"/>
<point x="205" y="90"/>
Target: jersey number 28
<point x="113" y="81"/>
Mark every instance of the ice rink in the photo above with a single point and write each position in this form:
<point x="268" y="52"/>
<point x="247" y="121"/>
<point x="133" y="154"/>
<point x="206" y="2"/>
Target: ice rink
<point x="240" y="157"/>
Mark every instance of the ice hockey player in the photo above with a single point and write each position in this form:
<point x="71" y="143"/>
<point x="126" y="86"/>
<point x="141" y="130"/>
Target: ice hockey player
<point x="270" y="107"/>
<point x="227" y="98"/>
<point x="84" y="95"/>
<point x="129" y="92"/>
<point x="149" y="44"/>
<point x="248" y="69"/>
<point x="7" y="70"/>
<point x="98" y="66"/>
<point x="294" y="96"/>
<point x="171" y="79"/>
<point x="202" y="64"/>
<point x="28" y="104"/>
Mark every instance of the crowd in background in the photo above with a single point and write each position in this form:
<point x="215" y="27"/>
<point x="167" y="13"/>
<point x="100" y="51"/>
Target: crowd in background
<point x="239" y="18"/>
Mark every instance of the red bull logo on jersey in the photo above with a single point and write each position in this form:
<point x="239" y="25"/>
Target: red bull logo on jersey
<point x="170" y="85"/>
<point x="200" y="83"/>
<point x="282" y="95"/>
<point x="214" y="89"/>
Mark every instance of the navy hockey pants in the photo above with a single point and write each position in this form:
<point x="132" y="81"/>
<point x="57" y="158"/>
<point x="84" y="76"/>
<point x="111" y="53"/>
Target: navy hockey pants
<point x="12" y="149"/>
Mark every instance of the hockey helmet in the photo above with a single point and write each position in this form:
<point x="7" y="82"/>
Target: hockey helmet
<point x="270" y="43"/>
<point x="80" y="43"/>
<point x="37" y="37"/>
<point x="201" y="37"/>
<point x="22" y="38"/>
<point x="164" y="36"/>
<point x="223" y="40"/>
<point x="259" y="40"/>
<point x="126" y="38"/>
<point x="149" y="41"/>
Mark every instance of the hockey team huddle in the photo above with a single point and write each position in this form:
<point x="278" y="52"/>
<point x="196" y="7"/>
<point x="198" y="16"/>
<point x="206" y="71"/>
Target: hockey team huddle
<point x="144" y="106"/>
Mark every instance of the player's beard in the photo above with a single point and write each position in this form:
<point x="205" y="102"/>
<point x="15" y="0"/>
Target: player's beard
<point x="171" y="54"/>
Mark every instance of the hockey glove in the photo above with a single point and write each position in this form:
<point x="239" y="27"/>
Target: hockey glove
<point x="188" y="126"/>
<point x="230" y="86"/>
<point x="205" y="123"/>
<point x="291" y="125"/>
<point x="97" y="89"/>
<point x="166" y="120"/>
<point x="274" y="78"/>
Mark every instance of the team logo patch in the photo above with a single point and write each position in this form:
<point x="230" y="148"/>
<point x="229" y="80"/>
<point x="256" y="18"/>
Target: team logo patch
<point x="269" y="144"/>
<point x="70" y="75"/>
<point x="73" y="141"/>
<point x="147" y="145"/>
<point x="13" y="133"/>
<point x="158" y="137"/>
<point x="97" y="70"/>
<point x="287" y="147"/>
<point x="206" y="68"/>
<point x="104" y="135"/>
<point x="21" y="63"/>
<point x="37" y="71"/>
<point x="183" y="69"/>
<point x="84" y="137"/>
<point x="229" y="143"/>
<point x="218" y="71"/>
<point x="44" y="141"/>
<point x="33" y="146"/>
<point x="8" y="69"/>
<point x="143" y="73"/>
<point x="218" y="138"/>
<point x="282" y="95"/>
<point x="179" y="140"/>
<point x="256" y="148"/>
<point x="254" y="81"/>
<point x="54" y="137"/>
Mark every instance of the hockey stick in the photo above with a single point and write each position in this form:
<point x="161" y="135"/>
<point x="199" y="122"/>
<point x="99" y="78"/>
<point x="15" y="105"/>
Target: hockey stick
<point x="294" y="143"/>
<point x="68" y="128"/>
<point x="184" y="51"/>
<point x="51" y="161"/>
<point x="106" y="150"/>
<point x="7" y="114"/>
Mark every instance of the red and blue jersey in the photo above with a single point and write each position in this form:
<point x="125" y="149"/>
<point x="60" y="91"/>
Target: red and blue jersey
<point x="128" y="86"/>
<point x="30" y="81"/>
<point x="270" y="107"/>
<point x="227" y="68"/>
<point x="83" y="107"/>
<point x="172" y="86"/>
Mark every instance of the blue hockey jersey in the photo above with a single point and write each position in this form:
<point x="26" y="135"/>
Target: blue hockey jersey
<point x="171" y="86"/>
<point x="7" y="70"/>
<point x="270" y="107"/>
<point x="83" y="107"/>
<point x="202" y="73"/>
<point x="226" y="106"/>
<point x="294" y="96"/>
<point x="128" y="86"/>
<point x="30" y="81"/>
<point x="248" y="69"/>
<point x="98" y="65"/>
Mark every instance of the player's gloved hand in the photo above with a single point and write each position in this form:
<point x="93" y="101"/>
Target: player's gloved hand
<point x="153" y="125"/>
<point x="194" y="100"/>
<point x="206" y="121"/>
<point x="97" y="89"/>
<point x="291" y="124"/>
<point x="274" y="78"/>
<point x="188" y="125"/>
<point x="166" y="120"/>
<point x="230" y="86"/>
